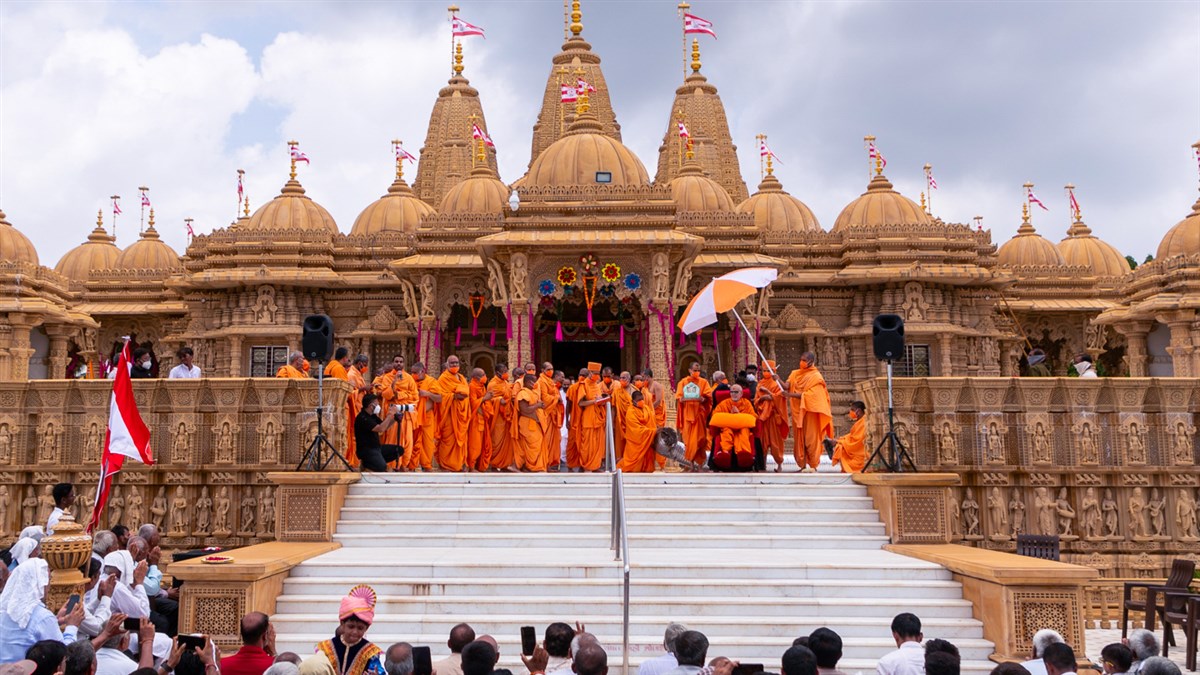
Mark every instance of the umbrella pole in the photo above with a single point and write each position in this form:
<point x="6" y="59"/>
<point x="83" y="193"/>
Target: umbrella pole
<point x="750" y="336"/>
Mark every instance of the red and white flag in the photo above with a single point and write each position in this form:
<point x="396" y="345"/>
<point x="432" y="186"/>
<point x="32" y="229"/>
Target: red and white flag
<point x="127" y="435"/>
<point x="765" y="151"/>
<point x="461" y="28"/>
<point x="683" y="131"/>
<point x="1032" y="199"/>
<point x="241" y="190"/>
<point x="145" y="199"/>
<point x="930" y="180"/>
<point x="694" y="24"/>
<point x="402" y="154"/>
<point x="1197" y="157"/>
<point x="876" y="153"/>
<point x="582" y="86"/>
<point x="298" y="156"/>
<point x="1074" y="202"/>
<point x="190" y="231"/>
<point x="569" y="94"/>
<point x="116" y="206"/>
<point x="478" y="133"/>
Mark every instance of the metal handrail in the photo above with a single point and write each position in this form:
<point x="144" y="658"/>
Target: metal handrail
<point x="620" y="533"/>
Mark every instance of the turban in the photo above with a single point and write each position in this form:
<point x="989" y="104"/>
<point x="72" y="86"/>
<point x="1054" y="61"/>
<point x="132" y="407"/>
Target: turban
<point x="358" y="603"/>
<point x="592" y="365"/>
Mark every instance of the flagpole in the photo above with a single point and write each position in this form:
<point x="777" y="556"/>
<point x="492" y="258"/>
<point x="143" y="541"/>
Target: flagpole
<point x="929" y="185"/>
<point x="241" y="191"/>
<point x="471" y="119"/>
<point x="679" y="120"/>
<point x="453" y="10"/>
<point x="566" y="20"/>
<point x="142" y="219"/>
<point x="115" y="198"/>
<point x="1028" y="191"/>
<point x="188" y="223"/>
<point x="1074" y="216"/>
<point x="683" y="7"/>
<point x="562" y="107"/>
<point x="760" y="138"/>
<point x="869" y="140"/>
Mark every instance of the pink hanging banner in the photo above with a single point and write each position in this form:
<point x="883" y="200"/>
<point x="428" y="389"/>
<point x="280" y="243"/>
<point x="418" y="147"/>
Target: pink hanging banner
<point x="532" y="351"/>
<point x="558" y="330"/>
<point x="699" y="343"/>
<point x="420" y="330"/>
<point x="716" y="342"/>
<point x="474" y="325"/>
<point x="737" y="338"/>
<point x="508" y="327"/>
<point x="437" y="334"/>
<point x="492" y="339"/>
<point x="621" y="337"/>
<point x="457" y="335"/>
<point x="589" y="318"/>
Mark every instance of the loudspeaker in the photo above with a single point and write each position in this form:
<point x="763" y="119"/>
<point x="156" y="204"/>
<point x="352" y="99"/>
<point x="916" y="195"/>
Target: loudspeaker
<point x="317" y="341"/>
<point x="888" y="333"/>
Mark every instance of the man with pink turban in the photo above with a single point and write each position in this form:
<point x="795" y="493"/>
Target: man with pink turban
<point x="349" y="652"/>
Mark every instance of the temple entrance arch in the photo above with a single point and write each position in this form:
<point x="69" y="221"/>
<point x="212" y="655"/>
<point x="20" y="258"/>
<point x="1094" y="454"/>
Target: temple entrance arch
<point x="564" y="337"/>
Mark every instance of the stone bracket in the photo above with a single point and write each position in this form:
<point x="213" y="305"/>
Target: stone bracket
<point x="309" y="503"/>
<point x="914" y="507"/>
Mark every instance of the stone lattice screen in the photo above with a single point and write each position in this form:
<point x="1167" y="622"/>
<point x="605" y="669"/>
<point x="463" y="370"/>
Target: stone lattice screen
<point x="213" y="441"/>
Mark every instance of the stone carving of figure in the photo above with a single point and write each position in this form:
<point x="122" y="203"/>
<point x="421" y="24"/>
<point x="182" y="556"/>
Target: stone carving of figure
<point x="158" y="508"/>
<point x="1137" y="444"/>
<point x="956" y="516"/>
<point x="428" y="290"/>
<point x="828" y="353"/>
<point x="1066" y="514"/>
<point x="4" y="509"/>
<point x="662" y="277"/>
<point x="1045" y="506"/>
<point x="1157" y="507"/>
<point x="249" y="511"/>
<point x="995" y="444"/>
<point x="682" y="279"/>
<point x="5" y="444"/>
<point x="45" y="506"/>
<point x="1088" y="452"/>
<point x="408" y="297"/>
<point x="1042" y="452"/>
<point x="1111" y="518"/>
<point x="1137" y="515"/>
<point x="136" y="507"/>
<point x="999" y="511"/>
<point x="29" y="508"/>
<point x="116" y="508"/>
<point x="265" y="307"/>
<point x="266" y="512"/>
<point x="179" y="514"/>
<point x="1181" y="443"/>
<point x="48" y="444"/>
<point x="92" y="443"/>
<point x="83" y="507"/>
<point x="1094" y="336"/>
<point x="269" y="450"/>
<point x="914" y="301"/>
<point x="221" y="520"/>
<point x="225" y="450"/>
<point x="1016" y="513"/>
<point x="203" y="512"/>
<point x="947" y="446"/>
<point x="496" y="282"/>
<point x="181" y="443"/>
<point x="1185" y="514"/>
<point x="989" y="351"/>
<point x="843" y="356"/>
<point x="970" y="511"/>
<point x="518" y="277"/>
<point x="1092" y="519"/>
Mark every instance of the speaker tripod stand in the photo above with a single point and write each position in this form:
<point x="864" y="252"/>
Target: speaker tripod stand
<point x="897" y="455"/>
<point x="320" y="452"/>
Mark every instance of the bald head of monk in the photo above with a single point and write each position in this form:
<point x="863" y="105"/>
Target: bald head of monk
<point x="418" y="370"/>
<point x="637" y="397"/>
<point x="548" y="368"/>
<point x="518" y="374"/>
<point x="361" y="362"/>
<point x="583" y="374"/>
<point x="531" y="368"/>
<point x="694" y="369"/>
<point x="478" y="374"/>
<point x="398" y="362"/>
<point x="296" y="360"/>
<point x="530" y="381"/>
<point x="808" y="359"/>
<point x="501" y="369"/>
<point x="735" y="392"/>
<point x="453" y="364"/>
<point x="590" y="659"/>
<point x="559" y="377"/>
<point x="625" y="379"/>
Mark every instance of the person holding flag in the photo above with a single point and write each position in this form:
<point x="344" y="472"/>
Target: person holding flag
<point x="127" y="437"/>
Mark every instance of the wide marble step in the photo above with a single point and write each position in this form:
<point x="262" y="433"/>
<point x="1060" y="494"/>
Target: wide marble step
<point x="569" y="511"/>
<point x="701" y="541"/>
<point x="678" y="501"/>
<point x="449" y="525"/>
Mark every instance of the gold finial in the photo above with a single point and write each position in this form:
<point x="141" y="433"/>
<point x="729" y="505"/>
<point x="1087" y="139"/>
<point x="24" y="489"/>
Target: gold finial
<point x="923" y="206"/>
<point x="99" y="219"/>
<point x="690" y="153"/>
<point x="246" y="212"/>
<point x="150" y="226"/>
<point x="695" y="55"/>
<point x="1025" y="213"/>
<point x="576" y="19"/>
<point x="458" y="59"/>
<point x="878" y="164"/>
<point x="292" y="156"/>
<point x="399" y="160"/>
<point x="475" y="142"/>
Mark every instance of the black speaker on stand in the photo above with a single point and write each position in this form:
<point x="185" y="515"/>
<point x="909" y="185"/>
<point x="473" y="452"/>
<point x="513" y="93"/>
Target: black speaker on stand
<point x="887" y="333"/>
<point x="316" y="343"/>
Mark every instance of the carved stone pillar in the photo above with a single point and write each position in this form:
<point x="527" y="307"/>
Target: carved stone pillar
<point x="235" y="357"/>
<point x="659" y="344"/>
<point x="19" y="349"/>
<point x="56" y="363"/>
<point x="1182" y="348"/>
<point x="520" y="348"/>
<point x="1136" y="351"/>
<point x="946" y="347"/>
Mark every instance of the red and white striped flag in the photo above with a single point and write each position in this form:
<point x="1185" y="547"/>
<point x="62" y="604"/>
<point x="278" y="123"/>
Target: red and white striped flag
<point x="241" y="190"/>
<point x="298" y="156"/>
<point x="145" y="199"/>
<point x="569" y="94"/>
<point x="478" y="133"/>
<point x="876" y="153"/>
<point x="127" y="435"/>
<point x="765" y="151"/>
<point x="402" y="154"/>
<point x="1032" y="199"/>
<point x="582" y="85"/>
<point x="190" y="231"/>
<point x="116" y="206"/>
<point x="694" y="24"/>
<point x="930" y="180"/>
<point x="1073" y="202"/>
<point x="683" y="131"/>
<point x="1197" y="149"/>
<point x="461" y="28"/>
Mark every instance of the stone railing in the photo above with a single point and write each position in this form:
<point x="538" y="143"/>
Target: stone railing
<point x="1109" y="464"/>
<point x="214" y="441"/>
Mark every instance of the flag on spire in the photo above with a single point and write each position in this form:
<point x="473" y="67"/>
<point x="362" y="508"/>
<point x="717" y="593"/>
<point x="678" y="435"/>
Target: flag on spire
<point x="297" y="156"/>
<point x="694" y="24"/>
<point x="1073" y="202"/>
<point x="402" y="154"/>
<point x="582" y="85"/>
<point x="1032" y="198"/>
<point x="116" y="206"/>
<point x="241" y="190"/>
<point x="765" y="151"/>
<point x="460" y="28"/>
<point x="683" y="131"/>
<point x="127" y="435"/>
<point x="145" y="199"/>
<point x="569" y="94"/>
<point x="876" y="153"/>
<point x="190" y="231"/>
<point x="929" y="179"/>
<point x="478" y="133"/>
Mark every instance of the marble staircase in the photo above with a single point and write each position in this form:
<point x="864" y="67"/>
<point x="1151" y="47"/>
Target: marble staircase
<point x="750" y="560"/>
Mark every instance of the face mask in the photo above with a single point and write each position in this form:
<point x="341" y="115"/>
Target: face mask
<point x="504" y="377"/>
<point x="453" y="370"/>
<point x="607" y="379"/>
<point x="549" y="371"/>
<point x="376" y="410"/>
<point x="640" y="385"/>
<point x="852" y="415"/>
<point x="145" y="365"/>
<point x="638" y="403"/>
<point x="594" y="378"/>
<point x="751" y="377"/>
<point x="530" y="372"/>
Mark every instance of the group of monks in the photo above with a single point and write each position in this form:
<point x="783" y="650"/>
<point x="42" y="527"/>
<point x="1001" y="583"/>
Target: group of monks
<point x="514" y="420"/>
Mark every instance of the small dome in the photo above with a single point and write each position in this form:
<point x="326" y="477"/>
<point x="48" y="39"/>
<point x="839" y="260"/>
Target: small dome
<point x="1081" y="247"/>
<point x="1184" y="238"/>
<point x="149" y="253"/>
<point x="693" y="191"/>
<point x="397" y="211"/>
<point x="777" y="211"/>
<point x="291" y="209"/>
<point x="881" y="205"/>
<point x="584" y="151"/>
<point x="1029" y="249"/>
<point x="14" y="245"/>
<point x="98" y="253"/>
<point x="481" y="192"/>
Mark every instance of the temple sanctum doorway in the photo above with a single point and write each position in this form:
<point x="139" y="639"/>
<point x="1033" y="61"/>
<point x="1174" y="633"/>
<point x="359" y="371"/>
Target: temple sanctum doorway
<point x="614" y="337"/>
<point x="570" y="357"/>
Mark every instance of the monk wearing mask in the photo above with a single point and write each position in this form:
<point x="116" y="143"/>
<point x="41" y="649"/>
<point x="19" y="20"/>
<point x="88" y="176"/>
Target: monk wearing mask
<point x="850" y="451"/>
<point x="502" y="418"/>
<point x="772" y="409"/>
<point x="811" y="412"/>
<point x="640" y="431"/>
<point x="479" y="437"/>
<point x="404" y="391"/>
<point x="454" y="413"/>
<point x="737" y="441"/>
<point x="531" y="419"/>
<point x="427" y="425"/>
<point x="693" y="401"/>
<point x="590" y="404"/>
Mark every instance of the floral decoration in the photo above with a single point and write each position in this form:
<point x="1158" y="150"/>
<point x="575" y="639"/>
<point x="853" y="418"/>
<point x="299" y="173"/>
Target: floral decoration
<point x="633" y="281"/>
<point x="589" y="263"/>
<point x="546" y="287"/>
<point x="567" y="275"/>
<point x="611" y="272"/>
<point x="607" y="291"/>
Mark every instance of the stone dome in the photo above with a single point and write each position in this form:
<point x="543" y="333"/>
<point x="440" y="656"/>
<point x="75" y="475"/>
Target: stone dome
<point x="1081" y="247"/>
<point x="397" y="211"/>
<point x="584" y="151"/>
<point x="881" y="205"/>
<point x="1184" y="238"/>
<point x="15" y="246"/>
<point x="291" y="209"/>
<point x="693" y="191"/>
<point x="1029" y="249"/>
<point x="98" y="253"/>
<point x="777" y="211"/>
<point x="149" y="253"/>
<point x="481" y="192"/>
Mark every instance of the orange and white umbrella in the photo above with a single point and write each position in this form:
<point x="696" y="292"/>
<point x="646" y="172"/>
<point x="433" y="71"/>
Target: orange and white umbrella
<point x="723" y="294"/>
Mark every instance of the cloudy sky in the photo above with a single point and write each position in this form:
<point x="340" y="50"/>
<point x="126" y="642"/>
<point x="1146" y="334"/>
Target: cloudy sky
<point x="97" y="98"/>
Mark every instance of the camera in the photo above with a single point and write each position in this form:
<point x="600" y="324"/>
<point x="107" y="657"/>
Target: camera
<point x="404" y="408"/>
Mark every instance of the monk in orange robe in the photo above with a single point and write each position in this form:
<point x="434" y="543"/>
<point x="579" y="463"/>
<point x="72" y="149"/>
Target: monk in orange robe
<point x="454" y="415"/>
<point x="354" y="375"/>
<point x="501" y="407"/>
<point x="772" y="408"/>
<point x="294" y="368"/>
<point x="405" y="392"/>
<point x="518" y="383"/>
<point x="621" y="402"/>
<point x="738" y="441"/>
<point x="811" y="413"/>
<point x="590" y="404"/>
<point x="850" y="451"/>
<point x="693" y="401"/>
<point x="384" y="387"/>
<point x="531" y="419"/>
<point x="573" y="418"/>
<point x="555" y="414"/>
<point x="425" y="441"/>
<point x="640" y="430"/>
<point x="479" y="427"/>
<point x="548" y="391"/>
<point x="336" y="369"/>
<point x="656" y="397"/>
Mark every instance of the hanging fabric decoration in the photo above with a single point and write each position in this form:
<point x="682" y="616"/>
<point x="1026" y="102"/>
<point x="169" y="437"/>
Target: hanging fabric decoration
<point x="492" y="338"/>
<point x="508" y="335"/>
<point x="699" y="342"/>
<point x="475" y="304"/>
<point x="457" y="335"/>
<point x="532" y="353"/>
<point x="589" y="296"/>
<point x="737" y="340"/>
<point x="558" y="330"/>
<point x="420" y="330"/>
<point x="716" y="343"/>
<point x="437" y="334"/>
<point x="621" y="337"/>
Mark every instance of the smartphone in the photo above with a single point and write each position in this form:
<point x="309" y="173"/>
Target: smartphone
<point x="133" y="623"/>
<point x="528" y="640"/>
<point x="748" y="668"/>
<point x="71" y="602"/>
<point x="191" y="642"/>
<point x="422" y="663"/>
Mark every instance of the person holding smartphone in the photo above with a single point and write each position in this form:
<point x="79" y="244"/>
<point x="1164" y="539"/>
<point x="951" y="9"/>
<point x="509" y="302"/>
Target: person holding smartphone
<point x="367" y="427"/>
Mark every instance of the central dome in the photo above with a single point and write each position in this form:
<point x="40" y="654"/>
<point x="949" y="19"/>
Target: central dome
<point x="1029" y="249"/>
<point x="398" y="211"/>
<point x="98" y="253"/>
<point x="693" y="191"/>
<point x="881" y="205"/>
<point x="576" y="159"/>
<point x="291" y="209"/>
<point x="149" y="253"/>
<point x="777" y="211"/>
<point x="1081" y="247"/>
<point x="481" y="192"/>
<point x="14" y="245"/>
<point x="1184" y="238"/>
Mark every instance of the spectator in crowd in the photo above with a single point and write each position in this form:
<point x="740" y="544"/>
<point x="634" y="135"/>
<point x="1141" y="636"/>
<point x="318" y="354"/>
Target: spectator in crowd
<point x="1059" y="658"/>
<point x="64" y="498"/>
<point x="143" y="364"/>
<point x="372" y="421"/>
<point x="691" y="649"/>
<point x="186" y="370"/>
<point x="103" y="543"/>
<point x="479" y="658"/>
<point x="909" y="656"/>
<point x="22" y="667"/>
<point x="97" y="599"/>
<point x="1009" y="668"/>
<point x="826" y="646"/>
<point x="122" y="533"/>
<point x="281" y="668"/>
<point x="1159" y="665"/>
<point x="460" y="636"/>
<point x="111" y="658"/>
<point x="129" y="597"/>
<point x="81" y="658"/>
<point x="1116" y="659"/>
<point x="942" y="663"/>
<point x="351" y="652"/>
<point x="289" y="657"/>
<point x="591" y="659"/>
<point x="557" y="643"/>
<point x="1041" y="639"/>
<point x="199" y="662"/>
<point x="1144" y="644"/>
<point x="798" y="660"/>
<point x="24" y="619"/>
<point x="935" y="645"/>
<point x="49" y="655"/>
<point x="398" y="660"/>
<point x="258" y="647"/>
<point x="665" y="662"/>
<point x="26" y="547"/>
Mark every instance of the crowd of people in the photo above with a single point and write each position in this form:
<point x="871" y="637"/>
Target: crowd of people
<point x="536" y="420"/>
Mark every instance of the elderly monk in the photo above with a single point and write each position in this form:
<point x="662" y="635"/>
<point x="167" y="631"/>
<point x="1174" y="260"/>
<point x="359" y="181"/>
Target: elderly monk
<point x="737" y="441"/>
<point x="427" y="422"/>
<point x="573" y="418"/>
<point x="349" y="652"/>
<point x="548" y="391"/>
<point x="771" y="406"/>
<point x="479" y="435"/>
<point x="501" y="407"/>
<point x="531" y="420"/>
<point x="454" y="415"/>
<point x="621" y="402"/>
<point x="555" y="415"/>
<point x="693" y="402"/>
<point x="294" y="368"/>
<point x="590" y="404"/>
<point x="812" y="416"/>
<point x="850" y="451"/>
<point x="404" y="391"/>
<point x="640" y="431"/>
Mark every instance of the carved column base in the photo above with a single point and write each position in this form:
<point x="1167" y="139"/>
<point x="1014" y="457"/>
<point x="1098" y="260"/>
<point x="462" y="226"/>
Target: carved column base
<point x="309" y="503"/>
